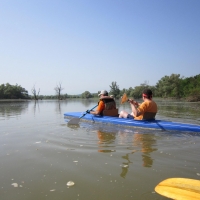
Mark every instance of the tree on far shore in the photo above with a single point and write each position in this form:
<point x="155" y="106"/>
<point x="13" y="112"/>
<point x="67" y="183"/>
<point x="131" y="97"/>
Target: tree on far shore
<point x="34" y="92"/>
<point x="8" y="91"/>
<point x="58" y="90"/>
<point x="86" y="95"/>
<point x="114" y="90"/>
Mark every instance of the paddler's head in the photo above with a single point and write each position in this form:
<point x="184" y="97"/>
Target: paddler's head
<point x="103" y="93"/>
<point x="147" y="93"/>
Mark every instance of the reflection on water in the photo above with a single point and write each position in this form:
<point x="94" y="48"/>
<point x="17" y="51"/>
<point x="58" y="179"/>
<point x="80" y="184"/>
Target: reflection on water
<point x="73" y="126"/>
<point x="87" y="102"/>
<point x="36" y="107"/>
<point x="12" y="109"/>
<point x="144" y="143"/>
<point x="187" y="112"/>
<point x="58" y="107"/>
<point x="125" y="166"/>
<point x="105" y="139"/>
<point x="147" y="143"/>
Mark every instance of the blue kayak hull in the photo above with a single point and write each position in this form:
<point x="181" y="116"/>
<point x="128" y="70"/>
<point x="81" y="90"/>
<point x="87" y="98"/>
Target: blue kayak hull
<point x="152" y="124"/>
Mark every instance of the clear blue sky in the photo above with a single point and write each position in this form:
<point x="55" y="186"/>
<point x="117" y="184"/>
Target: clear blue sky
<point x="87" y="44"/>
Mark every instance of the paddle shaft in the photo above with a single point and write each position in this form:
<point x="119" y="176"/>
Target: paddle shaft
<point x="75" y="121"/>
<point x="87" y="113"/>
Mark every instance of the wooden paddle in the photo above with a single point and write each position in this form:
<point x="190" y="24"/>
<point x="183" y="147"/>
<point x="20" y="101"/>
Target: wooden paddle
<point x="179" y="188"/>
<point x="124" y="98"/>
<point x="75" y="121"/>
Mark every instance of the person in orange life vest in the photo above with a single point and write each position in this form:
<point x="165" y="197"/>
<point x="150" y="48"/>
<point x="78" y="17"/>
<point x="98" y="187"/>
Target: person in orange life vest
<point x="105" y="102"/>
<point x="138" y="110"/>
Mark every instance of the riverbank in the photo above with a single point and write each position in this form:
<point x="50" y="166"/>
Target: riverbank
<point x="14" y="100"/>
<point x="189" y="99"/>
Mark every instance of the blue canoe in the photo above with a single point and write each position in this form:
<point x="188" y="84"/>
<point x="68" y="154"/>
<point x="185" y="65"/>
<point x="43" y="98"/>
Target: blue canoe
<point x="152" y="124"/>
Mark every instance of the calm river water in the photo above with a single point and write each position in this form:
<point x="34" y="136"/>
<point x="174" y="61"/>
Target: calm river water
<point x="40" y="154"/>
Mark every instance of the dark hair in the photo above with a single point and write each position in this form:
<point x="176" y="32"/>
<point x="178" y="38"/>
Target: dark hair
<point x="148" y="93"/>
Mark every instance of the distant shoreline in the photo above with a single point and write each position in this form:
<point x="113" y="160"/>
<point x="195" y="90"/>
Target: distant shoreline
<point x="155" y="98"/>
<point x="10" y="100"/>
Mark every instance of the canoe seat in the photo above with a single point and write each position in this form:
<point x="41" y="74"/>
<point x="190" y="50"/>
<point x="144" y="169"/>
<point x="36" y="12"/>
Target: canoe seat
<point x="112" y="113"/>
<point x="149" y="116"/>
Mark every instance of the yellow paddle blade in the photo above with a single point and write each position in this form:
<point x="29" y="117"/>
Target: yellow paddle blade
<point x="179" y="188"/>
<point x="124" y="98"/>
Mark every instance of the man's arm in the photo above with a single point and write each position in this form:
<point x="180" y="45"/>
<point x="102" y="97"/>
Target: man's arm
<point x="96" y="112"/>
<point x="134" y="109"/>
<point x="99" y="109"/>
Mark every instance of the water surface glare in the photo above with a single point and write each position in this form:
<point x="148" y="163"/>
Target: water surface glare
<point x="40" y="154"/>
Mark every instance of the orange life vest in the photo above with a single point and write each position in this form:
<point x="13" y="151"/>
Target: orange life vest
<point x="110" y="106"/>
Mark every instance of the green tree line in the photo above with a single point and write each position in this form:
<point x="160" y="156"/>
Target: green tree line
<point x="172" y="86"/>
<point x="179" y="87"/>
<point x="8" y="91"/>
